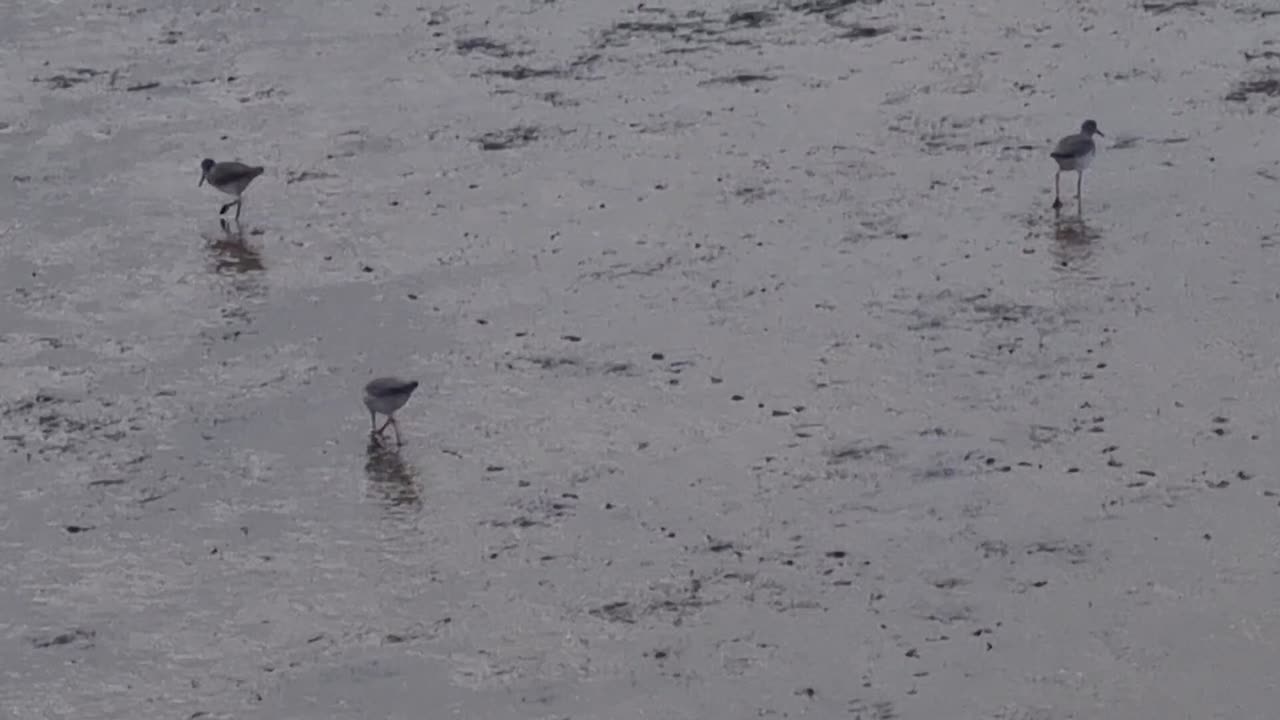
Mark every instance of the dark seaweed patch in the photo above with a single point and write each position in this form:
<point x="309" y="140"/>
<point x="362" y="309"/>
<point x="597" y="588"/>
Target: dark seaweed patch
<point x="486" y="46"/>
<point x="1164" y="6"/>
<point x="862" y="32"/>
<point x="827" y="7"/>
<point x="78" y="636"/>
<point x="524" y="72"/>
<point x="751" y="18"/>
<point x="1268" y="86"/>
<point x="739" y="79"/>
<point x="514" y="137"/>
<point x="62" y="81"/>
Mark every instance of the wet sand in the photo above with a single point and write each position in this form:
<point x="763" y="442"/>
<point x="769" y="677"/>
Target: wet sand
<point x="758" y="378"/>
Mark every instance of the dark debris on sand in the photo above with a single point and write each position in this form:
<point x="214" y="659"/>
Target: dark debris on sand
<point x="512" y="137"/>
<point x="1267" y="85"/>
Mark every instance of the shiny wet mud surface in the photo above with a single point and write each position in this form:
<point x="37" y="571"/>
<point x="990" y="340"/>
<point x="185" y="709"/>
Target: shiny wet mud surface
<point x="759" y="379"/>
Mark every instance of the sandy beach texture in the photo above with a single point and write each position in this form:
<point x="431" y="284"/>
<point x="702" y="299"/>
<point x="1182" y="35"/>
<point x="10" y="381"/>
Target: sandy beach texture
<point x="758" y="379"/>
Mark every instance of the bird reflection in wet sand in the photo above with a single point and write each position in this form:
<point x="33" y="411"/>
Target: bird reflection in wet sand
<point x="233" y="254"/>
<point x="391" y="481"/>
<point x="1073" y="243"/>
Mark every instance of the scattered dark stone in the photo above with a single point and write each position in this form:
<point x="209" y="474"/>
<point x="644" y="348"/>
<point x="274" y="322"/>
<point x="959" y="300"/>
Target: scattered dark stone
<point x="659" y="654"/>
<point x="142" y="86"/>
<point x="736" y="398"/>
<point x="481" y="321"/>
<point x="657" y="356"/>
<point x="571" y="338"/>
<point x="494" y="468"/>
<point x="1219" y="484"/>
<point x="836" y="554"/>
<point x="780" y="413"/>
<point x="73" y="529"/>
<point x="720" y="546"/>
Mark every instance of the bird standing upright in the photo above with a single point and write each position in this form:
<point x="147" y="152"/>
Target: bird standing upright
<point x="229" y="177"/>
<point x="1074" y="152"/>
<point x="386" y="395"/>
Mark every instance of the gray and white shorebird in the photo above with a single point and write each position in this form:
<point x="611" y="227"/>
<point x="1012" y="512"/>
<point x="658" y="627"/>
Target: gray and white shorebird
<point x="229" y="177"/>
<point x="384" y="396"/>
<point x="1074" y="153"/>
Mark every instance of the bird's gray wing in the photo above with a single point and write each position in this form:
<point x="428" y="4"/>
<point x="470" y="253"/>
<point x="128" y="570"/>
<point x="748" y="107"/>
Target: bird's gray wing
<point x="230" y="172"/>
<point x="1072" y="146"/>
<point x="383" y="387"/>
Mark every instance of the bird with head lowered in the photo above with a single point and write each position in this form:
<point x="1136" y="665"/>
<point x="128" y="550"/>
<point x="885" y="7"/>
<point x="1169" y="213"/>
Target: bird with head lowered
<point x="384" y="396"/>
<point x="231" y="178"/>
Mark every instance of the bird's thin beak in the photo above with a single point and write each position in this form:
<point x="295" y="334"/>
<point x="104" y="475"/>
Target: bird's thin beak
<point x="1100" y="133"/>
<point x="201" y="180"/>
